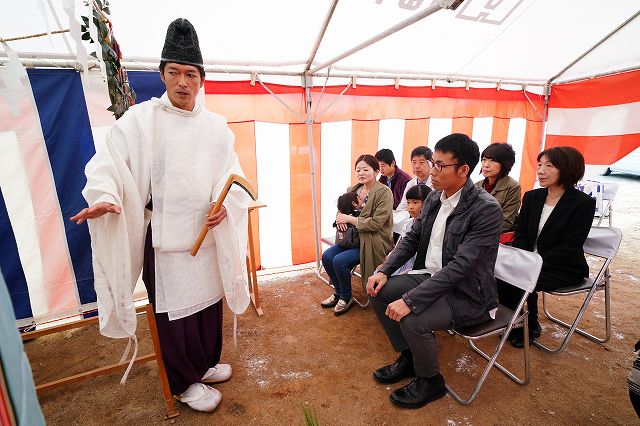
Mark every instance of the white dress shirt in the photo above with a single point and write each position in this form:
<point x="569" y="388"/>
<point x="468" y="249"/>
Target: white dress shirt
<point x="433" y="260"/>
<point x="400" y="214"/>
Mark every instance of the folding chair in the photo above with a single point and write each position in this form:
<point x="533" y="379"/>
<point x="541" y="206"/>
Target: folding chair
<point x="330" y="241"/>
<point x="602" y="243"/>
<point x="610" y="190"/>
<point x="519" y="268"/>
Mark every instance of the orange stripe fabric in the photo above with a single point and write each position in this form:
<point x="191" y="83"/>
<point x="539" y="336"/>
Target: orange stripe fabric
<point x="302" y="240"/>
<point x="500" y="130"/>
<point x="598" y="149"/>
<point x="379" y="108"/>
<point x="416" y="133"/>
<point x="265" y="108"/>
<point x="602" y="91"/>
<point x="245" y="147"/>
<point x="463" y="125"/>
<point x="530" y="151"/>
<point x="364" y="140"/>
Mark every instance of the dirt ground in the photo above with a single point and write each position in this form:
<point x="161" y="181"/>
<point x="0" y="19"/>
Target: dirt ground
<point x="299" y="354"/>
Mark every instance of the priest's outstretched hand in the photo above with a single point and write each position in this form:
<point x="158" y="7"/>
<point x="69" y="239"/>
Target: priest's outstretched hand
<point x="97" y="210"/>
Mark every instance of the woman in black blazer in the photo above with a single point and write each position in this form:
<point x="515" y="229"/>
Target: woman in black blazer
<point x="554" y="221"/>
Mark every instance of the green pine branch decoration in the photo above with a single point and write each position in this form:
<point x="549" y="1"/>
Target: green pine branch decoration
<point x="121" y="94"/>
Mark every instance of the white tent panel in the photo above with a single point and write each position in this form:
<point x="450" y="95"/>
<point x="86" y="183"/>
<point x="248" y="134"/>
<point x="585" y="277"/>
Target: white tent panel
<point x="438" y="129"/>
<point x="523" y="40"/>
<point x="391" y="136"/>
<point x="534" y="42"/>
<point x="249" y="31"/>
<point x="482" y="129"/>
<point x="515" y="137"/>
<point x="335" y="170"/>
<point x="272" y="152"/>
<point x="597" y="121"/>
<point x="616" y="53"/>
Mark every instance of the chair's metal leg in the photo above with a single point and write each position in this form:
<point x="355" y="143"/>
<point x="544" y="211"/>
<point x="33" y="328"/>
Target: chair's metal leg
<point x="574" y="327"/>
<point x="324" y="280"/>
<point x="493" y="363"/>
<point x="364" y="289"/>
<point x="362" y="305"/>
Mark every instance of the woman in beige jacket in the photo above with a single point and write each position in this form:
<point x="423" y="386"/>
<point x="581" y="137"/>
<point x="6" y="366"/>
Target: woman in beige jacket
<point x="497" y="161"/>
<point x="374" y="226"/>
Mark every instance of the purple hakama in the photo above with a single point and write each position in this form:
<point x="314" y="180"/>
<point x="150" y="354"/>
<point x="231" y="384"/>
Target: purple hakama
<point x="190" y="345"/>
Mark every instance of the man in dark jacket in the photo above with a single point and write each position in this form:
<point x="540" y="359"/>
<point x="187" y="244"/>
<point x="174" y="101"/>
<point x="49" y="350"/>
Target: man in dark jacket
<point x="392" y="175"/>
<point x="455" y="240"/>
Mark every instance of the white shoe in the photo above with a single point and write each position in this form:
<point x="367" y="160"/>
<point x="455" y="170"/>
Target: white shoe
<point x="201" y="397"/>
<point x="342" y="307"/>
<point x="217" y="374"/>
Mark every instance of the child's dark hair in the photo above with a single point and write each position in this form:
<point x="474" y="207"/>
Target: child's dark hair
<point x="418" y="192"/>
<point x="345" y="202"/>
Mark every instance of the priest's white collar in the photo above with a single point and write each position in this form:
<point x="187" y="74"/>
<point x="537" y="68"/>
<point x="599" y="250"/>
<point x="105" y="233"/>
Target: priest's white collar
<point x="166" y="104"/>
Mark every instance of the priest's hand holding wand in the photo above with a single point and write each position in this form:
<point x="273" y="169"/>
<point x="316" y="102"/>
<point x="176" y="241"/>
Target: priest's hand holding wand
<point x="95" y="211"/>
<point x="215" y="220"/>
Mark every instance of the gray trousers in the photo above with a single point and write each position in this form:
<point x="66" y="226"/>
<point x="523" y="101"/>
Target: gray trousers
<point x="414" y="331"/>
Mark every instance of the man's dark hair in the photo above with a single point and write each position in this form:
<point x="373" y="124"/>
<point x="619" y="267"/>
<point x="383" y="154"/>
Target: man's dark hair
<point x="164" y="64"/>
<point x="418" y="192"/>
<point x="370" y="160"/>
<point x="463" y="149"/>
<point x="569" y="161"/>
<point x="501" y="153"/>
<point x="345" y="202"/>
<point x="421" y="150"/>
<point x="386" y="156"/>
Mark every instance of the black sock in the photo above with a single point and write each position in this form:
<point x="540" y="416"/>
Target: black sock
<point x="407" y="354"/>
<point x="434" y="380"/>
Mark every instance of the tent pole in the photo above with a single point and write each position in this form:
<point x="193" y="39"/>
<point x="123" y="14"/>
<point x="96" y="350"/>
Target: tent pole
<point x="434" y="7"/>
<point x="307" y="80"/>
<point x="323" y="30"/>
<point x="592" y="48"/>
<point x="543" y="137"/>
<point x="602" y="74"/>
<point x="55" y="18"/>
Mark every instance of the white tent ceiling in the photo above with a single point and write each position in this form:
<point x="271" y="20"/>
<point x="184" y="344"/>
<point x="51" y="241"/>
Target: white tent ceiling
<point x="518" y="40"/>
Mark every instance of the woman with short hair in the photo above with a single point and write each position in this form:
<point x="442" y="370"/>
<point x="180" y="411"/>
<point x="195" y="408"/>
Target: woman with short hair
<point x="497" y="160"/>
<point x="554" y="221"/>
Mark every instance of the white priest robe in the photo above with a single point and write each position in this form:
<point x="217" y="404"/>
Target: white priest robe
<point x="179" y="159"/>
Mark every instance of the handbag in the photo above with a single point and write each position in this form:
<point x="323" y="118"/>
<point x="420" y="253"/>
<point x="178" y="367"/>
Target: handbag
<point x="348" y="239"/>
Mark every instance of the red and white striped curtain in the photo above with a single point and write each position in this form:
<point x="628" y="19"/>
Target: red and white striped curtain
<point x="271" y="141"/>
<point x="599" y="117"/>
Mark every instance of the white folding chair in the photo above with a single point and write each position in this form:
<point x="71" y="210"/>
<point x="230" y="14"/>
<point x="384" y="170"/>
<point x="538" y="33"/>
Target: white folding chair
<point x="601" y="243"/>
<point x="610" y="190"/>
<point x="519" y="268"/>
<point x="330" y="241"/>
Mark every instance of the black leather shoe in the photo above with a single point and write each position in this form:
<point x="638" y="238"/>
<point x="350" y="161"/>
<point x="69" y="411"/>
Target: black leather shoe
<point x="515" y="333"/>
<point x="534" y="333"/>
<point x="392" y="373"/>
<point x="419" y="392"/>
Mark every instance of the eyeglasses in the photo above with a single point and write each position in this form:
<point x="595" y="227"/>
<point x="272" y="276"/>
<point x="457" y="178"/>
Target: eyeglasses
<point x="439" y="166"/>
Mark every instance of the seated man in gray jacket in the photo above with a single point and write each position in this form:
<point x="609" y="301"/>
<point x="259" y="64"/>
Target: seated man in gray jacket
<point x="452" y="284"/>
